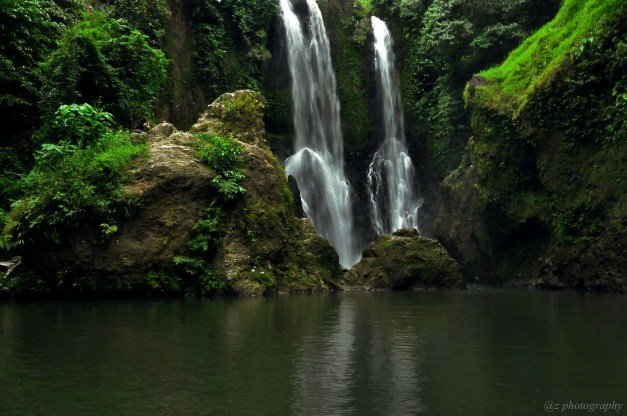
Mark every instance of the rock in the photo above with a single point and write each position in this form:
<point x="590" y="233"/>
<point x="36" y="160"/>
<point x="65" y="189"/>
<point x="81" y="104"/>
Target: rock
<point x="406" y="260"/>
<point x="265" y="249"/>
<point x="238" y="114"/>
<point x="7" y="267"/>
<point x="298" y="203"/>
<point x="172" y="189"/>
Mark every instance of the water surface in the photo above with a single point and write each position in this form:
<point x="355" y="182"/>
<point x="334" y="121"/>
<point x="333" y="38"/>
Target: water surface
<point x="478" y="352"/>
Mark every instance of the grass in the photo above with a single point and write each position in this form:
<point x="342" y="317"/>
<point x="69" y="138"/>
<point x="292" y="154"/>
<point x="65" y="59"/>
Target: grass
<point x="539" y="58"/>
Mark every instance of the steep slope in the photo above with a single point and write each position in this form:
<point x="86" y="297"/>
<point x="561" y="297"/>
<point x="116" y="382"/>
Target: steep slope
<point x="540" y="198"/>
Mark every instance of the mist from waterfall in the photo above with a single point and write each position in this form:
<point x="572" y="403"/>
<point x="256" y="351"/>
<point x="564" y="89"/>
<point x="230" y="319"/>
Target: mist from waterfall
<point x="391" y="176"/>
<point x="318" y="161"/>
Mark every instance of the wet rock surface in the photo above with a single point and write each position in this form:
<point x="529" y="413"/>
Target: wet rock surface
<point x="406" y="260"/>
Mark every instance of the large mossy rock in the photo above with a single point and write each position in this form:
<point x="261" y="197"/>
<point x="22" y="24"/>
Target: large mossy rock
<point x="169" y="190"/>
<point x="265" y="247"/>
<point x="406" y="260"/>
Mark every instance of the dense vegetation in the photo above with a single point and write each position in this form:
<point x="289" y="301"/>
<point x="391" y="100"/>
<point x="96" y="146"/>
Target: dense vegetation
<point x="70" y="76"/>
<point x="231" y="43"/>
<point x="548" y="151"/>
<point x="74" y="179"/>
<point x="446" y="42"/>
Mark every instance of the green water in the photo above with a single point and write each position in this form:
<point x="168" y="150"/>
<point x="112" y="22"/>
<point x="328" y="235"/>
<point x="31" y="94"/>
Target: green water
<point x="479" y="352"/>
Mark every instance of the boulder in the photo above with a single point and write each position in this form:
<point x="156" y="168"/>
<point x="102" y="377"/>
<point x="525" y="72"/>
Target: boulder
<point x="406" y="260"/>
<point x="170" y="189"/>
<point x="265" y="248"/>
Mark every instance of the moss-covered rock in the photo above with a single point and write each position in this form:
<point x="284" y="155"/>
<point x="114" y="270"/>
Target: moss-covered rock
<point x="265" y="248"/>
<point x="261" y="247"/>
<point x="405" y="260"/>
<point x="540" y="197"/>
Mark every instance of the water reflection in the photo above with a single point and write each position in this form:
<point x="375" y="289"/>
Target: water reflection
<point x="395" y="372"/>
<point x="443" y="353"/>
<point x="324" y="369"/>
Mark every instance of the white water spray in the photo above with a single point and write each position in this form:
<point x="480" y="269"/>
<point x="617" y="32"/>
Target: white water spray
<point x="391" y="185"/>
<point x="318" y="162"/>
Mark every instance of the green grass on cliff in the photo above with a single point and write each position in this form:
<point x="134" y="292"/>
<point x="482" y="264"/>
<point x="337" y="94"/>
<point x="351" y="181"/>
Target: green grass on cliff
<point x="539" y="58"/>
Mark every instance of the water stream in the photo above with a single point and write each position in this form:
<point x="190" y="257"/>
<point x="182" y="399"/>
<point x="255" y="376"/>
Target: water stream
<point x="318" y="160"/>
<point x="391" y="175"/>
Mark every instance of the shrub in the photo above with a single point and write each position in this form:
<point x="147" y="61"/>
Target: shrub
<point x="223" y="154"/>
<point x="76" y="124"/>
<point x="148" y="16"/>
<point x="28" y="33"/>
<point x="230" y="43"/>
<point x="206" y="236"/>
<point x="69" y="185"/>
<point x="107" y="64"/>
<point x="12" y="167"/>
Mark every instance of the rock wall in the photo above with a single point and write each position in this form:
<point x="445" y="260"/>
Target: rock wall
<point x="540" y="198"/>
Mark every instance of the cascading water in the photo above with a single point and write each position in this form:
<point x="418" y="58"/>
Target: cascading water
<point x="318" y="162"/>
<point x="391" y="185"/>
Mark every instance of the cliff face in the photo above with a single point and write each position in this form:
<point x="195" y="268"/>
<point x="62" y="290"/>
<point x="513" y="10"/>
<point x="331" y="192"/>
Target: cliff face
<point x="539" y="199"/>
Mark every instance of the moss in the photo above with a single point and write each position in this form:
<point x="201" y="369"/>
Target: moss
<point x="541" y="57"/>
<point x="353" y="83"/>
<point x="348" y="27"/>
<point x="405" y="260"/>
<point x="545" y="166"/>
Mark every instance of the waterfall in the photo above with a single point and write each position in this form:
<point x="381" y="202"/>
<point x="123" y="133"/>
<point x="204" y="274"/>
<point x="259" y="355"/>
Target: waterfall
<point x="391" y="185"/>
<point x="318" y="161"/>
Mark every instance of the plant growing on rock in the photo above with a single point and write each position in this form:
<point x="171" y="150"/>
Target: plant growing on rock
<point x="70" y="184"/>
<point x="206" y="236"/>
<point x="223" y="155"/>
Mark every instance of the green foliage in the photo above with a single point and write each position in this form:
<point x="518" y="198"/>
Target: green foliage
<point x="107" y="64"/>
<point x="206" y="236"/>
<point x="446" y="42"/>
<point x="69" y="184"/>
<point x="242" y="106"/>
<point x="230" y="43"/>
<point x="77" y="124"/>
<point x="164" y="283"/>
<point x="12" y="168"/>
<point x="539" y="59"/>
<point x="5" y="238"/>
<point x="148" y="16"/>
<point x="223" y="155"/>
<point x="351" y="57"/>
<point x="28" y="31"/>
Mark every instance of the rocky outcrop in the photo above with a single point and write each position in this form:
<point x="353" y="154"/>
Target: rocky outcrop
<point x="539" y="200"/>
<point x="265" y="247"/>
<point x="406" y="260"/>
<point x="170" y="191"/>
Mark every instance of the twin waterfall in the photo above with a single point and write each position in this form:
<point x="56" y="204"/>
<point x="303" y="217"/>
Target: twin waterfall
<point x="391" y="173"/>
<point x="318" y="160"/>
